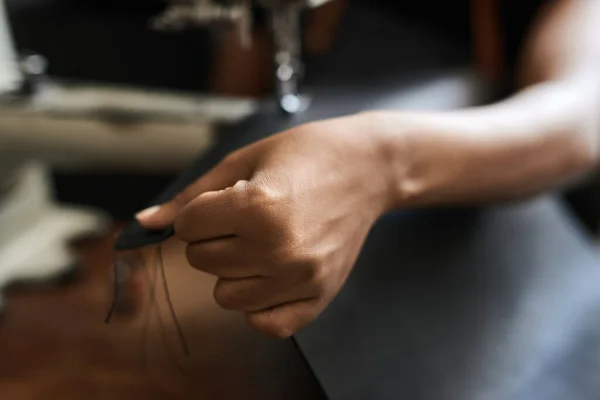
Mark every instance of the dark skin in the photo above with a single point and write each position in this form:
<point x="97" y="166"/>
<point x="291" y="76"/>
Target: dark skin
<point x="282" y="221"/>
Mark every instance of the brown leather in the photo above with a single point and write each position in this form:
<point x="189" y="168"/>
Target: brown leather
<point x="55" y="345"/>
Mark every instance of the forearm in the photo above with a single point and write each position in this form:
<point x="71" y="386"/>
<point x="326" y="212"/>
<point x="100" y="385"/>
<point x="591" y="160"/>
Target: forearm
<point x="512" y="149"/>
<point x="540" y="139"/>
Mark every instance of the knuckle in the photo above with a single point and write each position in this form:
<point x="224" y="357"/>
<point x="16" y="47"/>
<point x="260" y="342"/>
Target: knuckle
<point x="280" y="331"/>
<point x="256" y="194"/>
<point x="181" y="226"/>
<point x="296" y="239"/>
<point x="180" y="199"/>
<point x="311" y="264"/>
<point x="193" y="256"/>
<point x="261" y="194"/>
<point x="317" y="276"/>
<point x="290" y="245"/>
<point x="311" y="270"/>
<point x="292" y="257"/>
<point x="226" y="296"/>
<point x="269" y="325"/>
<point x="284" y="258"/>
<point x="317" y="279"/>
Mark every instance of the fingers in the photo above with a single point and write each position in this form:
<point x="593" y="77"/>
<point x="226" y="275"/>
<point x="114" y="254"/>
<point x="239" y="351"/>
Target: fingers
<point x="162" y="216"/>
<point x="285" y="320"/>
<point x="208" y="216"/>
<point x="244" y="283"/>
<point x="226" y="258"/>
<point x="260" y="293"/>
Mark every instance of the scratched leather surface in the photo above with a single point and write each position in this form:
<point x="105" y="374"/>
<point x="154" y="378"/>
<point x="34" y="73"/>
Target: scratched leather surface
<point x="501" y="303"/>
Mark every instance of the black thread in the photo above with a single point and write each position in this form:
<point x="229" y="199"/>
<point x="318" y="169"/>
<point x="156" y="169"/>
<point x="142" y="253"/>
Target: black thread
<point x="180" y="333"/>
<point x="152" y="283"/>
<point x="163" y="334"/>
<point x="116" y="294"/>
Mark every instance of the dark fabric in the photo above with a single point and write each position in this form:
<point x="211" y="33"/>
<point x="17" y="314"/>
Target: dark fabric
<point x="499" y="303"/>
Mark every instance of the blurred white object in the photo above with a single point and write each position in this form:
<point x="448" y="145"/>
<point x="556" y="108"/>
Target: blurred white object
<point x="35" y="232"/>
<point x="85" y="125"/>
<point x="10" y="75"/>
<point x="81" y="126"/>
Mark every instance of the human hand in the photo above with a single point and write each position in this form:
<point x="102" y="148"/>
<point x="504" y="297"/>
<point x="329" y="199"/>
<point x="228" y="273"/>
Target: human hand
<point x="281" y="222"/>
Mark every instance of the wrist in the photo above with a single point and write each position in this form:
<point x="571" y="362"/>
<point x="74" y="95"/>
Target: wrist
<point x="366" y="142"/>
<point x="391" y="134"/>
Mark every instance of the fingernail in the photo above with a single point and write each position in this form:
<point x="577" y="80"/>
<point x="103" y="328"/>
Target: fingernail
<point x="148" y="212"/>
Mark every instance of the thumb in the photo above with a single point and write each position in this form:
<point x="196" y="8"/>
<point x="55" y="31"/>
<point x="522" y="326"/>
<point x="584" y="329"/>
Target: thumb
<point x="162" y="216"/>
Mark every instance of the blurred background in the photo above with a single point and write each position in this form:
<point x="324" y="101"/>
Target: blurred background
<point x="104" y="103"/>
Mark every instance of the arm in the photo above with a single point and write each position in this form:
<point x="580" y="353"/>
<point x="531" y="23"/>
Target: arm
<point x="543" y="137"/>
<point x="281" y="222"/>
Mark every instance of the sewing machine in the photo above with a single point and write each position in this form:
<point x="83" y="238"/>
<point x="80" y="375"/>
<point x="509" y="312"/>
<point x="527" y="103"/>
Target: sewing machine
<point x="285" y="26"/>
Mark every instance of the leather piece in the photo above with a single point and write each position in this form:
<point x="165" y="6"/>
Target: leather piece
<point x="501" y="303"/>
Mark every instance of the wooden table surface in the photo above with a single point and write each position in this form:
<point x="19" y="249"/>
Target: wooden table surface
<point x="54" y="343"/>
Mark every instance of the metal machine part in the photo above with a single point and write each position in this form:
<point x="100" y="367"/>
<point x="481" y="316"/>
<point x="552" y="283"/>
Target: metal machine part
<point x="204" y="12"/>
<point x="285" y="28"/>
<point x="284" y="16"/>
